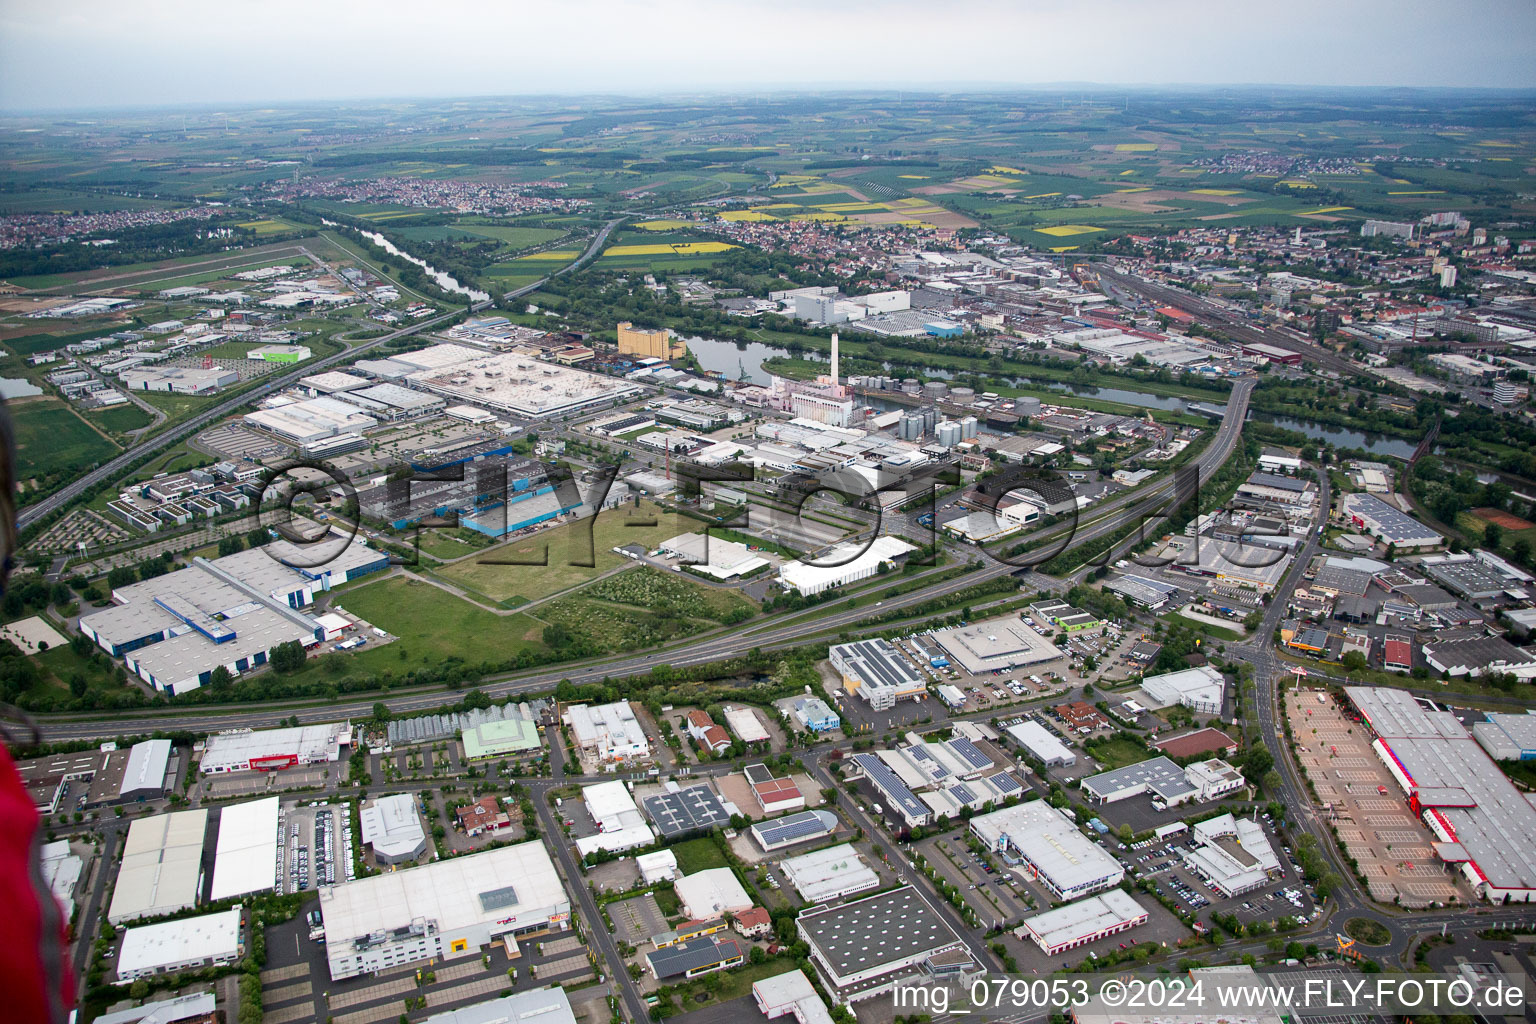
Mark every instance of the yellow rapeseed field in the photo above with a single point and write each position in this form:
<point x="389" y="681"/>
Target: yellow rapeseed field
<point x="675" y="249"/>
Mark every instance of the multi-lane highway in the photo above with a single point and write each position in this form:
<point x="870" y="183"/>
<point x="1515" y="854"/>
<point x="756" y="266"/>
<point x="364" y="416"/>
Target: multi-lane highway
<point x="771" y="634"/>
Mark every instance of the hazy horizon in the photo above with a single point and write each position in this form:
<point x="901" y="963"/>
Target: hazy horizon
<point x="95" y="55"/>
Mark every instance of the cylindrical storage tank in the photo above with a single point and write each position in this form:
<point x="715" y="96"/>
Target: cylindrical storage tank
<point x="969" y="427"/>
<point x="949" y="433"/>
<point x="962" y="395"/>
<point x="1027" y="406"/>
<point x="935" y="390"/>
<point x="930" y="419"/>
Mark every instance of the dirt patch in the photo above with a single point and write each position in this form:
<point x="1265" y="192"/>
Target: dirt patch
<point x="1499" y="517"/>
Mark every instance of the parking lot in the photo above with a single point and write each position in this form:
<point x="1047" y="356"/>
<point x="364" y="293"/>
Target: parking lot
<point x="237" y="442"/>
<point x="317" y="846"/>
<point x="1363" y="800"/>
<point x="296" y="985"/>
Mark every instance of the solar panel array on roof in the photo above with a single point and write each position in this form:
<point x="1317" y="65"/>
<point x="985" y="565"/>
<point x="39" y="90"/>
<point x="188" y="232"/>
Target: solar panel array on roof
<point x="793" y="828"/>
<point x="968" y="750"/>
<point x="1005" y="783"/>
<point x="882" y="776"/>
<point x="879" y="658"/>
<point x="695" y="809"/>
<point x="961" y="793"/>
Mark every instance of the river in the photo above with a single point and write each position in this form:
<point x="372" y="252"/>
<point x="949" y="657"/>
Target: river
<point x="1340" y="437"/>
<point x="442" y="279"/>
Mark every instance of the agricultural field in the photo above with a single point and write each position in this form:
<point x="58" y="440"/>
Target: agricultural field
<point x="52" y="439"/>
<point x="514" y="236"/>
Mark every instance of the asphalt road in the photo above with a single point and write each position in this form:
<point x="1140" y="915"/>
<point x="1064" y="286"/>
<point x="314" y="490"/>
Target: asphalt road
<point x="769" y="635"/>
<point x="115" y="466"/>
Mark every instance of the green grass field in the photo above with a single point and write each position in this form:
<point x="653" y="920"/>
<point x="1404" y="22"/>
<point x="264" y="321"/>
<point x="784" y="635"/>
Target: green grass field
<point x="50" y="436"/>
<point x="433" y="626"/>
<point x="119" y="419"/>
<point x="697" y="855"/>
<point x="572" y="542"/>
<point x="1116" y="752"/>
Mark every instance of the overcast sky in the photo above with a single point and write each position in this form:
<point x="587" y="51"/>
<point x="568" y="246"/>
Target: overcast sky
<point x="90" y="53"/>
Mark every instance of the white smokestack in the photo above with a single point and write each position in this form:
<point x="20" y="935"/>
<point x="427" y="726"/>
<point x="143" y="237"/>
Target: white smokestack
<point x="834" y="358"/>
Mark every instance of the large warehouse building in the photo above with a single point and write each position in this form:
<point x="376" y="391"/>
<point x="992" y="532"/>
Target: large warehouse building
<point x="1087" y="920"/>
<point x="1201" y="689"/>
<point x="829" y="874"/>
<point x="843" y="564"/>
<point x="1486" y="827"/>
<point x="183" y="944"/>
<point x="1387" y="524"/>
<point x="1042" y="843"/>
<point x="1042" y="744"/>
<point x="266" y="750"/>
<point x="1005" y="643"/>
<point x="174" y="630"/>
<point x="246" y="858"/>
<point x="442" y="910"/>
<point x="162" y="866"/>
<point x="876" y="671"/>
<point x="514" y="382"/>
<point x="863" y="948"/>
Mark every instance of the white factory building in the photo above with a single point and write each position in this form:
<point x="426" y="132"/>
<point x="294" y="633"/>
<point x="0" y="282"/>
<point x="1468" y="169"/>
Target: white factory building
<point x="174" y="630"/>
<point x="711" y="893"/>
<point x="620" y="824"/>
<point x="743" y="721"/>
<point x="392" y="828"/>
<point x="1042" y="843"/>
<point x="190" y="942"/>
<point x="1233" y="855"/>
<point x="246" y="857"/>
<point x="1201" y="689"/>
<point x="712" y="556"/>
<point x="1042" y="744"/>
<point x="843" y="564"/>
<point x="446" y="909"/>
<point x="829" y="874"/>
<point x="162" y="866"/>
<point x="609" y="732"/>
<point x="271" y="749"/>
<point x="1087" y="920"/>
<point x="790" y="994"/>
<point x="995" y="644"/>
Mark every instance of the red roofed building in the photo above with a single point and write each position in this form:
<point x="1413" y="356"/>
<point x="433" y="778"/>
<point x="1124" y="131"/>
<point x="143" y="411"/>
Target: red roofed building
<point x="484" y="815"/>
<point x="1398" y="656"/>
<point x="773" y="795"/>
<point x="754" y="923"/>
<point x="1175" y="313"/>
<point x="710" y="736"/>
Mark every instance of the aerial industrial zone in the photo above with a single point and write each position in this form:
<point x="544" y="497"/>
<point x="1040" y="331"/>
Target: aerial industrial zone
<point x="764" y="568"/>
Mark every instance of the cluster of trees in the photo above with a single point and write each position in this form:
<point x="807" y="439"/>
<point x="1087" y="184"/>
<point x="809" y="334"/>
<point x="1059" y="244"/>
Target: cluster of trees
<point x="131" y="245"/>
